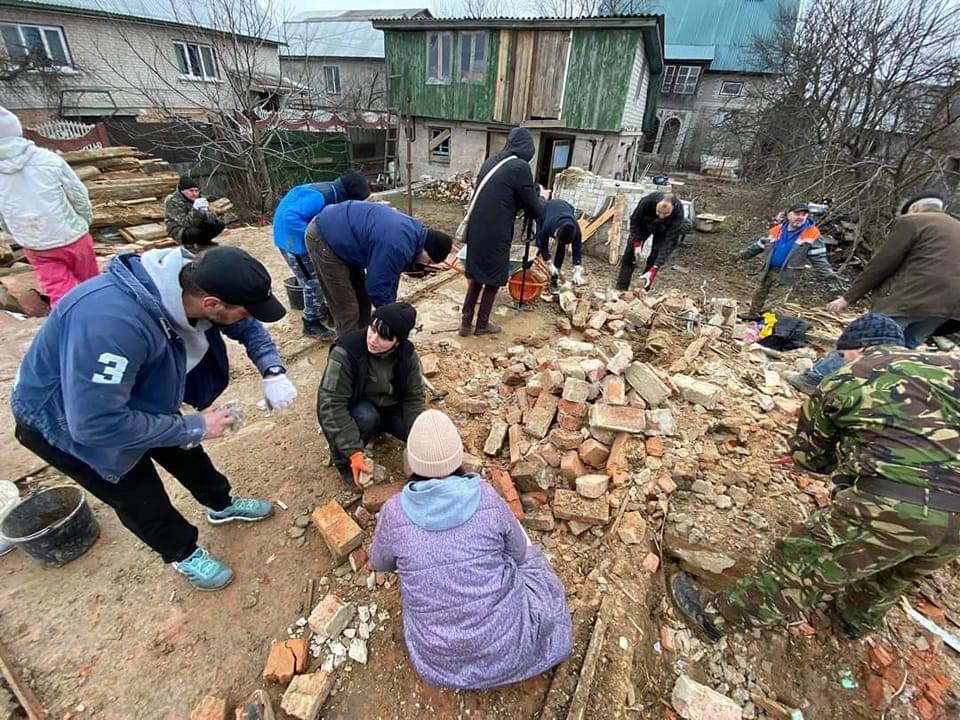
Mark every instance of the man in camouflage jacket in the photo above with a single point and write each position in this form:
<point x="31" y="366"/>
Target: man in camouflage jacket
<point x="887" y="426"/>
<point x="188" y="217"/>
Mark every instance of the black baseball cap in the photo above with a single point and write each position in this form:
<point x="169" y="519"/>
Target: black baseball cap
<point x="238" y="278"/>
<point x="800" y="207"/>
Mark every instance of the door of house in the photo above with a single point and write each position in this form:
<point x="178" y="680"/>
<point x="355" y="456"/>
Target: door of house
<point x="556" y="154"/>
<point x="539" y="61"/>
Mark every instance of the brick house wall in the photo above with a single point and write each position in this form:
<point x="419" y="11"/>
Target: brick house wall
<point x="361" y="80"/>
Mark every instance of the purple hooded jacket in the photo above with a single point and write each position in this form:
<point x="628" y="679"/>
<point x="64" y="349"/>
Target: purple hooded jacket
<point x="481" y="606"/>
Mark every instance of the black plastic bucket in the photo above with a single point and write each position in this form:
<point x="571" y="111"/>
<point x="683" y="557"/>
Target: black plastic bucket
<point x="53" y="526"/>
<point x="294" y="292"/>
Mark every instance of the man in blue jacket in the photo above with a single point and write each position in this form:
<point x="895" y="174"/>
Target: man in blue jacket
<point x="560" y="221"/>
<point x="294" y="212"/>
<point x="360" y="249"/>
<point x="98" y="394"/>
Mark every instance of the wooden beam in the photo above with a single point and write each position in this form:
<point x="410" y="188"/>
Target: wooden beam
<point x="85" y="172"/>
<point x="442" y="137"/>
<point x="24" y="693"/>
<point x="613" y="237"/>
<point x="588" y="228"/>
<point x="149" y="231"/>
<point x="85" y="157"/>
<point x="581" y="696"/>
<point x="131" y="189"/>
<point x="502" y="79"/>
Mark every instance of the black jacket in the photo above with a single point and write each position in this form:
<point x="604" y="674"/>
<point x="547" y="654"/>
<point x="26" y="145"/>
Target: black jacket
<point x="556" y="214"/>
<point x="644" y="222"/>
<point x="490" y="228"/>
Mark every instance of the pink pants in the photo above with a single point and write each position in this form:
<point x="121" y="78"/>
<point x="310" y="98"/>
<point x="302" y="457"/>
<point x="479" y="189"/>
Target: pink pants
<point x="63" y="268"/>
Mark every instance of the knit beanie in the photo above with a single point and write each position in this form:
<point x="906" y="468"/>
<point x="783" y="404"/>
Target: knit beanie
<point x="869" y="330"/>
<point x="9" y="124"/>
<point x="434" y="447"/>
<point x="399" y="317"/>
<point x="187" y="182"/>
<point x="355" y="185"/>
<point x="438" y="245"/>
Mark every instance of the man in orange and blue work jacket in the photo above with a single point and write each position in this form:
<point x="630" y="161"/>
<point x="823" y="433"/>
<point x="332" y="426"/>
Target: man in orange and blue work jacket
<point x="789" y="246"/>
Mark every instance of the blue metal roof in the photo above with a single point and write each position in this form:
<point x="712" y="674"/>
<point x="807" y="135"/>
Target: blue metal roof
<point x="723" y="27"/>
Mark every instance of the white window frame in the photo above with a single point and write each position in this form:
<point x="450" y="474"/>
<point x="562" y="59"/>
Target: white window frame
<point x="334" y="72"/>
<point x="669" y="72"/>
<point x="677" y="79"/>
<point x="43" y="30"/>
<point x="207" y="74"/>
<point x="436" y="155"/>
<point x="472" y="73"/>
<point x="724" y="83"/>
<point x="444" y="42"/>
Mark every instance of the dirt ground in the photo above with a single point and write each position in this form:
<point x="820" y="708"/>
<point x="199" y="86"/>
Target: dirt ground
<point x="117" y="635"/>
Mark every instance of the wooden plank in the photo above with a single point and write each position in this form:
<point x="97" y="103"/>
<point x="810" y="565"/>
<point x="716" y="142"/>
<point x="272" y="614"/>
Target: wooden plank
<point x="522" y="67"/>
<point x="442" y="137"/>
<point x="85" y="172"/>
<point x="86" y="157"/>
<point x="122" y="163"/>
<point x="221" y="205"/>
<point x="565" y="676"/>
<point x="139" y="201"/>
<point x="131" y="189"/>
<point x="578" y="705"/>
<point x="502" y="79"/>
<point x="28" y="701"/>
<point x="549" y="66"/>
<point x="588" y="228"/>
<point x="148" y="231"/>
<point x="117" y="215"/>
<point x="613" y="236"/>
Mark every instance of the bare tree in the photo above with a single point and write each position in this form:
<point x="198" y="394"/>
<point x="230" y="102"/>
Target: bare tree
<point x="476" y="8"/>
<point x="853" y="107"/>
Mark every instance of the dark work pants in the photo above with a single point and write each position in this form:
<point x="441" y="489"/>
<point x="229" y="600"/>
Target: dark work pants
<point x="344" y="287"/>
<point x="487" y="294"/>
<point x="139" y="498"/>
<point x="371" y="421"/>
<point x="203" y="233"/>
<point x="660" y="248"/>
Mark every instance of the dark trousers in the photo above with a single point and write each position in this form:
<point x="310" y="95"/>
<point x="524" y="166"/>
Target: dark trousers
<point x="344" y="287"/>
<point x="203" y="233"/>
<point x="487" y="294"/>
<point x="769" y="280"/>
<point x="660" y="247"/>
<point x="139" y="498"/>
<point x="372" y="421"/>
<point x="561" y="252"/>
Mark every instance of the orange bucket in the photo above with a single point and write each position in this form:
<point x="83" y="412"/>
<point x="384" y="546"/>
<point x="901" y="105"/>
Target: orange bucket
<point x="537" y="278"/>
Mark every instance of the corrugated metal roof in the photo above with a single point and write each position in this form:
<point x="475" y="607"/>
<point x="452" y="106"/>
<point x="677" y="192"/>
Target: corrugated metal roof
<point x="340" y="33"/>
<point x="632" y="20"/>
<point x="727" y="25"/>
<point x="689" y="52"/>
<point x="201" y="13"/>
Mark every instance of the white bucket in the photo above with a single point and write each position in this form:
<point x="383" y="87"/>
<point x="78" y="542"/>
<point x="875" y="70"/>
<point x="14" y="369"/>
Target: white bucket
<point x="9" y="498"/>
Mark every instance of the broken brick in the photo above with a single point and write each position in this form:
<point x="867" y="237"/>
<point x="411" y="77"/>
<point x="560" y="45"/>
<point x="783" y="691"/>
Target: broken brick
<point x="697" y="392"/>
<point x="614" y="390"/>
<point x="286" y="659"/>
<point x="651" y="563"/>
<point x="374" y="497"/>
<point x="515" y="375"/>
<point x="306" y="694"/>
<point x="592" y="486"/>
<point x="541" y="415"/>
<point x="570" y="422"/>
<point x="597" y="320"/>
<point x="570" y="505"/>
<point x="579" y="409"/>
<point x="498" y="431"/>
<point x="581" y="314"/>
<point x="654" y="446"/>
<point x="577" y="527"/>
<point x="621" y="361"/>
<point x="660" y="422"/>
<point x="535" y="498"/>
<point x="338" y="530"/>
<point x="565" y="439"/>
<point x="358" y="558"/>
<point x="647" y="383"/>
<point x="617" y="459"/>
<point x="666" y="483"/>
<point x="471" y="463"/>
<point x="503" y="484"/>
<point x="330" y="616"/>
<point x="576" y="390"/>
<point x="880" y="657"/>
<point x="210" y="708"/>
<point x="362" y="516"/>
<point x="513" y="441"/>
<point x="594" y="453"/>
<point x="876" y="692"/>
<point x="571" y="467"/>
<point x="430" y="364"/>
<point x="632" y="528"/>
<point x="594" y="369"/>
<point x="540" y="519"/>
<point x="529" y="476"/>
<point x="617" y="419"/>
<point x="550" y="455"/>
<point x="699" y="702"/>
<point x="474" y="406"/>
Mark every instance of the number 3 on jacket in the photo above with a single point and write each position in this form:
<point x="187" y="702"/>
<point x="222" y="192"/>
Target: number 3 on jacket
<point x="113" y="368"/>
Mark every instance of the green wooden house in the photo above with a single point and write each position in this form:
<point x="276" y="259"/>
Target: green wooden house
<point x="586" y="88"/>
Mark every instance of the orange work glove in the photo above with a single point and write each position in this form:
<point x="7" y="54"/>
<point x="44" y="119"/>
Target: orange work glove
<point x="358" y="464"/>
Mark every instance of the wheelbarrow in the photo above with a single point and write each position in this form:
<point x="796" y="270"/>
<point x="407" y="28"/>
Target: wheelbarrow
<point x="538" y="275"/>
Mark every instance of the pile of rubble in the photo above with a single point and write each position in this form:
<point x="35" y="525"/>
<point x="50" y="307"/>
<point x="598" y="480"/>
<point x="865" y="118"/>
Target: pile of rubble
<point x="455" y="189"/>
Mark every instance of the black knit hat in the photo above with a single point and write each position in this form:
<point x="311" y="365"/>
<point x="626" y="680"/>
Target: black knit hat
<point x="400" y="318"/>
<point x="925" y="195"/>
<point x="355" y="185"/>
<point x="800" y="207"/>
<point x="187" y="182"/>
<point x="869" y="330"/>
<point x="438" y="245"/>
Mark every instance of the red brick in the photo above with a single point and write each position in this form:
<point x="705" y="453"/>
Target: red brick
<point x="880" y="657"/>
<point x="306" y="695"/>
<point x="338" y="530"/>
<point x="503" y="484"/>
<point x="876" y="693"/>
<point x="430" y="363"/>
<point x="594" y="453"/>
<point x="579" y="409"/>
<point x="541" y="415"/>
<point x="537" y="497"/>
<point x="362" y="516"/>
<point x="571" y="467"/>
<point x="597" y="320"/>
<point x="617" y="459"/>
<point x="358" y="558"/>
<point x="523" y="401"/>
<point x="570" y="422"/>
<point x="565" y="439"/>
<point x="474" y="406"/>
<point x="591" y="335"/>
<point x="331" y="616"/>
<point x="376" y="496"/>
<point x="651" y="563"/>
<point x="515" y="375"/>
<point x="569" y="505"/>
<point x="550" y="455"/>
<point x="666" y="483"/>
<point x="210" y="708"/>
<point x="513" y="438"/>
<point x="614" y="390"/>
<point x="286" y="659"/>
<point x="617" y="418"/>
<point x="655" y="446"/>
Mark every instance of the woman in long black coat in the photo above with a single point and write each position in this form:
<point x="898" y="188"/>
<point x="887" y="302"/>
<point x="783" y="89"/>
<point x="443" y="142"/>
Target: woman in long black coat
<point x="490" y="227"/>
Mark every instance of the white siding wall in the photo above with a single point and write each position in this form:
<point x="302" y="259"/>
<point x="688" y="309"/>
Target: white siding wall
<point x="636" y="103"/>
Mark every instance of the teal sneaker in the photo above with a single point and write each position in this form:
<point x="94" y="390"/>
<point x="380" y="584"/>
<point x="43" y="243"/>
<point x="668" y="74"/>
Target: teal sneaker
<point x="246" y="509"/>
<point x="203" y="571"/>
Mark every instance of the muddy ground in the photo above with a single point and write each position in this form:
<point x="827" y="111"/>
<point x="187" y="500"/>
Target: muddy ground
<point x="118" y="635"/>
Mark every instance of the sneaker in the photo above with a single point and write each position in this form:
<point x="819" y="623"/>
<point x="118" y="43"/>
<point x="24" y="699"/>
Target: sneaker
<point x="802" y="382"/>
<point x="246" y="509"/>
<point x="203" y="571"/>
<point x="690" y="600"/>
<point x="315" y="328"/>
<point x="488" y="329"/>
<point x="554" y="282"/>
<point x="465" y="330"/>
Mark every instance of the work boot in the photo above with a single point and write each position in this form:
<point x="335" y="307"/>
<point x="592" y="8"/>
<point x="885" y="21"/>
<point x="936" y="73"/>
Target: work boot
<point x="204" y="572"/>
<point x="555" y="282"/>
<point x="802" y="382"/>
<point x="690" y="600"/>
<point x="315" y="328"/>
<point x="850" y="631"/>
<point x="465" y="329"/>
<point x="245" y="509"/>
<point x="488" y="329"/>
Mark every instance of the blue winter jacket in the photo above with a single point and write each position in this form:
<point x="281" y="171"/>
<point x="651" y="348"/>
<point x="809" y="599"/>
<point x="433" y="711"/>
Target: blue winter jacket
<point x="297" y="208"/>
<point x="376" y="237"/>
<point x="105" y="376"/>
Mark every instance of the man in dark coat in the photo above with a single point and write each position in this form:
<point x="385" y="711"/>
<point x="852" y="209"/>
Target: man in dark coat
<point x="490" y="228"/>
<point x="659" y="214"/>
<point x="360" y="249"/>
<point x="560" y="221"/>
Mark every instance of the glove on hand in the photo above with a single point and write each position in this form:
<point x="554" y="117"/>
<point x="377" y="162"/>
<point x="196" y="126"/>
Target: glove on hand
<point x="578" y="278"/>
<point x="358" y="464"/>
<point x="637" y="253"/>
<point x="279" y="392"/>
<point x="649" y="276"/>
<point x="201" y="204"/>
<point x="553" y="269"/>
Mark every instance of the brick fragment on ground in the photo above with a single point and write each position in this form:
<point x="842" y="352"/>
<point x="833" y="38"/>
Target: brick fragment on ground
<point x="614" y="390"/>
<point x="358" y="558"/>
<point x="306" y="694"/>
<point x="498" y="432"/>
<point x="633" y="528"/>
<point x="210" y="708"/>
<point x="617" y="419"/>
<point x="540" y="519"/>
<point x="621" y="361"/>
<point x="474" y="406"/>
<point x="577" y="527"/>
<point x="654" y="446"/>
<point x="571" y="466"/>
<point x="617" y="459"/>
<point x="660" y="422"/>
<point x="529" y="476"/>
<point x="647" y="383"/>
<point x="430" y="363"/>
<point x="330" y="616"/>
<point x="374" y="497"/>
<point x="594" y="369"/>
<point x="503" y="484"/>
<point x="651" y="563"/>
<point x="579" y="409"/>
<point x="471" y="463"/>
<point x="576" y="390"/>
<point x="513" y="443"/>
<point x="694" y="701"/>
<point x="540" y="417"/>
<point x="592" y="486"/>
<point x="569" y="505"/>
<point x="286" y="659"/>
<point x="570" y="422"/>
<point x="565" y="439"/>
<point x="594" y="453"/>
<point x="338" y="530"/>
<point x="697" y="392"/>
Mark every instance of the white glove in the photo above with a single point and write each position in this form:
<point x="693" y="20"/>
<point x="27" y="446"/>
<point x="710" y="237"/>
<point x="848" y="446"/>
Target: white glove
<point x="647" y="279"/>
<point x="638" y="253"/>
<point x="578" y="278"/>
<point x="553" y="269"/>
<point x="279" y="392"/>
<point x="201" y="204"/>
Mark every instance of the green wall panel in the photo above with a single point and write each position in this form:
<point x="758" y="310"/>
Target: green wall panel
<point x="601" y="62"/>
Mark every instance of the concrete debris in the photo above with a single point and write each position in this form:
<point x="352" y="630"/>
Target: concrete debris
<point x="694" y="701"/>
<point x="696" y="391"/>
<point x="592" y="486"/>
<point x="647" y="383"/>
<point x="305" y="695"/>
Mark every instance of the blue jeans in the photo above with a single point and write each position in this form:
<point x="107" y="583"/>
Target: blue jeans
<point x="915" y="331"/>
<point x="314" y="304"/>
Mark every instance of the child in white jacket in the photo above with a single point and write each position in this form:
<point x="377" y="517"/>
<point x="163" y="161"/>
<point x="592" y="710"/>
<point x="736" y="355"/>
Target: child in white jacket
<point x="47" y="209"/>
